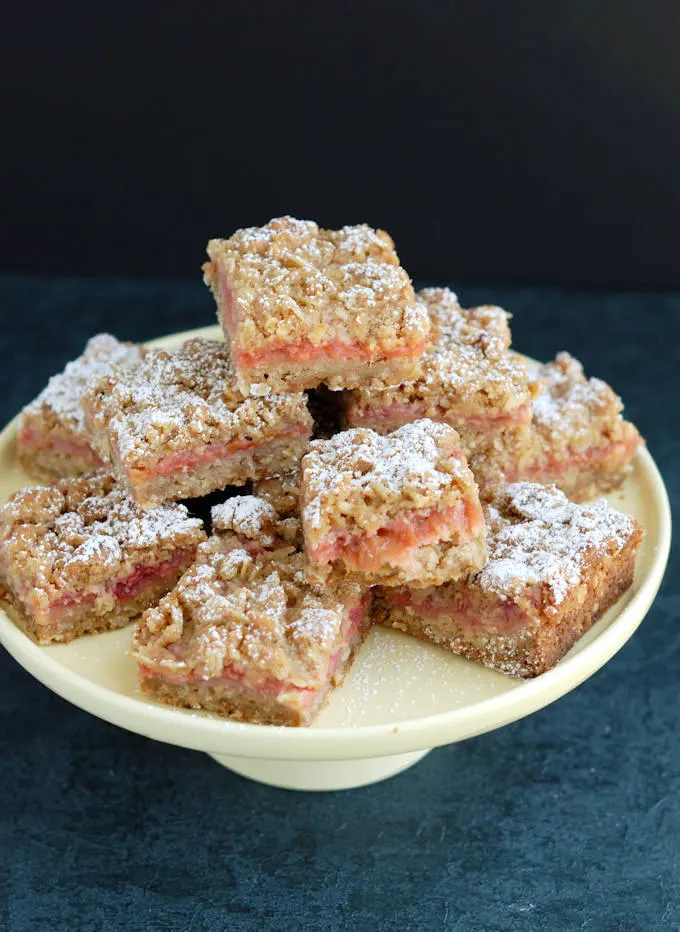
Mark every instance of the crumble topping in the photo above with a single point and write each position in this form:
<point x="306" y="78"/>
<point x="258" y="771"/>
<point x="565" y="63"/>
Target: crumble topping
<point x="292" y="281"/>
<point x="359" y="476"/>
<point x="537" y="537"/>
<point x="186" y="398"/>
<point x="84" y="531"/>
<point x="61" y="397"/>
<point x="468" y="362"/>
<point x="254" y="616"/>
<point x="573" y="412"/>
<point x="282" y="493"/>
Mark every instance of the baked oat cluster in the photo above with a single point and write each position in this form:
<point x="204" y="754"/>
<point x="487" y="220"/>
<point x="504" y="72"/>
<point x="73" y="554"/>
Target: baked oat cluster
<point x="352" y="452"/>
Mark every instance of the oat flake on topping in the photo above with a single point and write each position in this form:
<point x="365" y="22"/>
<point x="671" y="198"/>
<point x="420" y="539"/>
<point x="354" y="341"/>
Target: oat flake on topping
<point x="62" y="394"/>
<point x="537" y="537"/>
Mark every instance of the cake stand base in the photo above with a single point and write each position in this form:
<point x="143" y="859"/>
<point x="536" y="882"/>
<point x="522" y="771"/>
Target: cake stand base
<point x="320" y="775"/>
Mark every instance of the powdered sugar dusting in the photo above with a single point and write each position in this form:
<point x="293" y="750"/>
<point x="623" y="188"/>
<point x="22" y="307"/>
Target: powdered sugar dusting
<point x="62" y="394"/>
<point x="568" y="398"/>
<point x="537" y="537"/>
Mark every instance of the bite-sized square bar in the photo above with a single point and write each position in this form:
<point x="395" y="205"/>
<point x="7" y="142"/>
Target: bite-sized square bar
<point x="254" y="524"/>
<point x="579" y="439"/>
<point x="554" y="568"/>
<point x="177" y="426"/>
<point x="401" y="508"/>
<point x="282" y="492"/>
<point x="52" y="441"/>
<point x="469" y="380"/>
<point x="247" y="637"/>
<point x="301" y="306"/>
<point x="78" y="556"/>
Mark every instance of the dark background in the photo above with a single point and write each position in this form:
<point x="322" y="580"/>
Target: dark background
<point x="500" y="143"/>
<point x="496" y="141"/>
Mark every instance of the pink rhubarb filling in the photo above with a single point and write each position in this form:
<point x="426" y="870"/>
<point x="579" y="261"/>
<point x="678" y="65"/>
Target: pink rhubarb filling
<point x="278" y="352"/>
<point x="395" y="543"/>
<point x="35" y="440"/>
<point x="472" y="614"/>
<point x="405" y="412"/>
<point x="187" y="460"/>
<point x="609" y="458"/>
<point x="124" y="589"/>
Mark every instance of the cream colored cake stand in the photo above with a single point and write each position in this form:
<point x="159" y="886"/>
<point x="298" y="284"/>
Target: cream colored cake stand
<point x="401" y="699"/>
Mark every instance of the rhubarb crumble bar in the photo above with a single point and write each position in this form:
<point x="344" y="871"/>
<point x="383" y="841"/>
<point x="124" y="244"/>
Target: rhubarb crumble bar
<point x="78" y="556"/>
<point x="246" y="636"/>
<point x="300" y="306"/>
<point x="579" y="439"/>
<point x="177" y="426"/>
<point x="554" y="567"/>
<point x="401" y="508"/>
<point x="52" y="441"/>
<point x="469" y="380"/>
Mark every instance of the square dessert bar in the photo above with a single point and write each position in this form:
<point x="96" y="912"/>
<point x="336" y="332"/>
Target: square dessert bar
<point x="52" y="441"/>
<point x="468" y="379"/>
<point x="579" y="440"/>
<point x="178" y="426"/>
<point x="301" y="306"/>
<point x="248" y="637"/>
<point x="78" y="556"/>
<point x="253" y="523"/>
<point x="554" y="568"/>
<point x="401" y="508"/>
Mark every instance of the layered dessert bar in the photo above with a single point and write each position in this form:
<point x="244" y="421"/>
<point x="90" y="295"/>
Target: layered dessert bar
<point x="394" y="509"/>
<point x="300" y="306"/>
<point x="579" y="439"/>
<point x="178" y="426"/>
<point x="52" y="441"/>
<point x="469" y="380"/>
<point x="554" y="567"/>
<point x="247" y="637"/>
<point x="78" y="557"/>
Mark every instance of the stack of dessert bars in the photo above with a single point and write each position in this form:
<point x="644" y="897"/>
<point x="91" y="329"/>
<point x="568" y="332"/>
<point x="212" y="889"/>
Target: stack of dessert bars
<point x="352" y="453"/>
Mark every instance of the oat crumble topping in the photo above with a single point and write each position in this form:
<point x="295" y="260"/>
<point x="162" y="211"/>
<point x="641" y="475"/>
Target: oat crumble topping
<point x="256" y="616"/>
<point x="537" y="537"/>
<point x="60" y="400"/>
<point x="468" y="362"/>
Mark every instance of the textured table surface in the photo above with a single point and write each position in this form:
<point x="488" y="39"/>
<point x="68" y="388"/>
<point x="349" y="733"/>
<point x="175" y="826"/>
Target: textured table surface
<point x="569" y="819"/>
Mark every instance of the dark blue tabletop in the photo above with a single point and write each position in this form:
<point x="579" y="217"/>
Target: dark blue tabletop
<point x="568" y="819"/>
